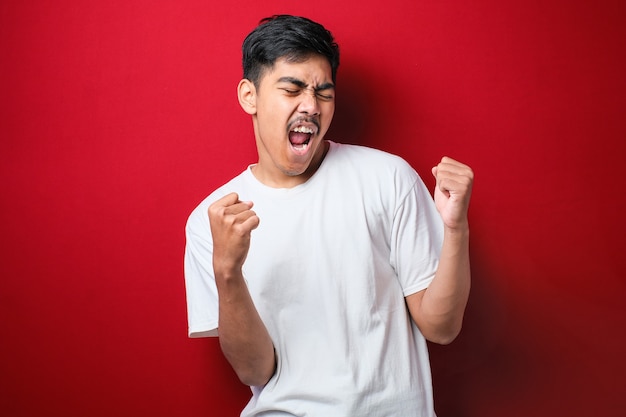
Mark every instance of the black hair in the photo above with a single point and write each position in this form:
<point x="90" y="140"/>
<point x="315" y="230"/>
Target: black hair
<point x="291" y="37"/>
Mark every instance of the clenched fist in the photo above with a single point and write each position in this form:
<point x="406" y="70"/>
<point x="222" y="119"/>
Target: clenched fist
<point x="452" y="192"/>
<point x="232" y="222"/>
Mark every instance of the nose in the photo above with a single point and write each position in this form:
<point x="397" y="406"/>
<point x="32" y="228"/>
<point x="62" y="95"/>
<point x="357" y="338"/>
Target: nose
<point x="309" y="104"/>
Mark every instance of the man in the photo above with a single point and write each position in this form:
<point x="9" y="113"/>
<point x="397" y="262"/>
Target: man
<point x="325" y="294"/>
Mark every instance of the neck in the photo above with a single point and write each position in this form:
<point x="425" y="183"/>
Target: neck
<point x="284" y="180"/>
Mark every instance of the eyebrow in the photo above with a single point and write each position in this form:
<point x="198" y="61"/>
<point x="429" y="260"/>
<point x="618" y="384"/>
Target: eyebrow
<point x="301" y="84"/>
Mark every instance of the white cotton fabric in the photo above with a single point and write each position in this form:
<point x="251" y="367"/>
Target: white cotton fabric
<point x="328" y="269"/>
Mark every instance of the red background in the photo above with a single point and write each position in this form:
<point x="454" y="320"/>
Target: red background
<point x="118" y="117"/>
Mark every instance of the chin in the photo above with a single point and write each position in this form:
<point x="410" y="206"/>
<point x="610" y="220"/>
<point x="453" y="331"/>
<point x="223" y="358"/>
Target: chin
<point x="295" y="172"/>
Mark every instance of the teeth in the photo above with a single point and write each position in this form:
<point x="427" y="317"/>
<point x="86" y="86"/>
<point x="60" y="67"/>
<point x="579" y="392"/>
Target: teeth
<point x="303" y="129"/>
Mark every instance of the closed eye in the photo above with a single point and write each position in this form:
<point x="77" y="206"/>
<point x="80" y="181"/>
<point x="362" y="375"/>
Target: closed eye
<point x="296" y="86"/>
<point x="324" y="95"/>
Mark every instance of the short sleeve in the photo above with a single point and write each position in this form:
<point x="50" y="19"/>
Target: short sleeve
<point x="416" y="240"/>
<point x="201" y="291"/>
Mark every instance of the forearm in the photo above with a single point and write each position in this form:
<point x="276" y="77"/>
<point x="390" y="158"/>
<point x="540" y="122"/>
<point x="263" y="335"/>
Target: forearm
<point x="442" y="305"/>
<point x="243" y="336"/>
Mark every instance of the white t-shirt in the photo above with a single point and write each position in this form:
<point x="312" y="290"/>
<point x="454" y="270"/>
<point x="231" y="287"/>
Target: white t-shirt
<point x="328" y="269"/>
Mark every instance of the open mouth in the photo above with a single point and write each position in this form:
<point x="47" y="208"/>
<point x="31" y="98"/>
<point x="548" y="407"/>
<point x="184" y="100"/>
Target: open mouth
<point x="299" y="138"/>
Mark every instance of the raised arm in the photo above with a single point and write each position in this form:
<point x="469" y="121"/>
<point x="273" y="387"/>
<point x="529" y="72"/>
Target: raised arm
<point x="243" y="336"/>
<point x="438" y="311"/>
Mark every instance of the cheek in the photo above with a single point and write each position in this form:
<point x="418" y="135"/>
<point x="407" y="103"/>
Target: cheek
<point x="275" y="112"/>
<point x="331" y="112"/>
<point x="269" y="118"/>
<point x="327" y="115"/>
<point x="272" y="122"/>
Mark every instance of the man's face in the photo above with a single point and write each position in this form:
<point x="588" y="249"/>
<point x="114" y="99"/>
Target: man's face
<point x="294" y="106"/>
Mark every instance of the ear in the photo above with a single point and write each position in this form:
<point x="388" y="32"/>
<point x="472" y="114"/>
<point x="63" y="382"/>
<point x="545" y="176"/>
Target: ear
<point x="246" y="92"/>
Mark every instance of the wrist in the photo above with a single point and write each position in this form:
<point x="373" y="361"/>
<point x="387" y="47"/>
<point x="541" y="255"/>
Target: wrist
<point x="459" y="231"/>
<point x="226" y="272"/>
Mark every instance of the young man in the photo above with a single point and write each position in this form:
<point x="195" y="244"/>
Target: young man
<point x="325" y="267"/>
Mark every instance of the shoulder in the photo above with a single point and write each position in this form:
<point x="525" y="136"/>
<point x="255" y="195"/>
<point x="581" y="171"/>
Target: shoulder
<point x="371" y="162"/>
<point x="347" y="150"/>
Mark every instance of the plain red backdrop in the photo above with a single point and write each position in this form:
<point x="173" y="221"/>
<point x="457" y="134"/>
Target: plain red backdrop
<point x="118" y="117"/>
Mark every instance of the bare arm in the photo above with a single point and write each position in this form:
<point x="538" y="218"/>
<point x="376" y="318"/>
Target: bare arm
<point x="438" y="311"/>
<point x="243" y="336"/>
